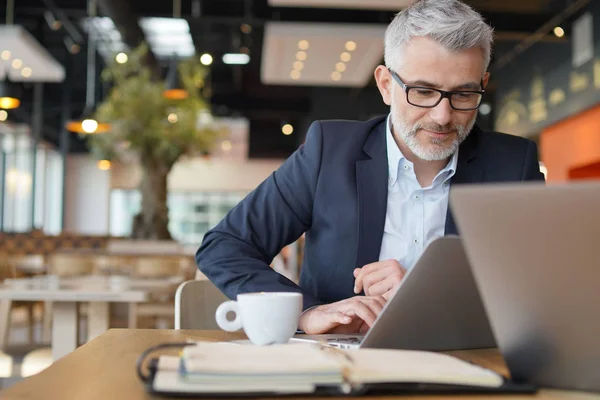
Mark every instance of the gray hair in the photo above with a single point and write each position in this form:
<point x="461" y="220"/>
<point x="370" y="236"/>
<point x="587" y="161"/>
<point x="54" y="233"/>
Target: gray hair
<point x="451" y="23"/>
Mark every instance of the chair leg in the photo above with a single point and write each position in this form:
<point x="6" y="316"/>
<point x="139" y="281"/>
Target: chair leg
<point x="132" y="316"/>
<point x="5" y="319"/>
<point x="31" y="321"/>
<point x="47" y="323"/>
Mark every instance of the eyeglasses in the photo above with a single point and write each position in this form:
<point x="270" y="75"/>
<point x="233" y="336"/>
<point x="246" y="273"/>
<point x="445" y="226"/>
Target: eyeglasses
<point x="426" y="97"/>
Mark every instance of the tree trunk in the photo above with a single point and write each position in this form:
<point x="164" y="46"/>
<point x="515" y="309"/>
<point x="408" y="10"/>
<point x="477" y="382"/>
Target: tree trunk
<point x="153" y="220"/>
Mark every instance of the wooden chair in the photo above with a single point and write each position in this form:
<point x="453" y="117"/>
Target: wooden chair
<point x="160" y="305"/>
<point x="8" y="271"/>
<point x="196" y="303"/>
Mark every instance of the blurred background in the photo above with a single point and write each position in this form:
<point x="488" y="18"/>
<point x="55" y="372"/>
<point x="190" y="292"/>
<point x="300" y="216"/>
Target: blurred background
<point x="102" y="168"/>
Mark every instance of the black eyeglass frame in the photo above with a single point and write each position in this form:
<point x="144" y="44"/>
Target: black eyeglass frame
<point x="443" y="93"/>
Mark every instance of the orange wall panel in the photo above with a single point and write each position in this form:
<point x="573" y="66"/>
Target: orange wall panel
<point x="572" y="144"/>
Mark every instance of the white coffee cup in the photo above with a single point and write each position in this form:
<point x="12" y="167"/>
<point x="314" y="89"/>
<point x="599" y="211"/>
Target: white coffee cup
<point x="267" y="318"/>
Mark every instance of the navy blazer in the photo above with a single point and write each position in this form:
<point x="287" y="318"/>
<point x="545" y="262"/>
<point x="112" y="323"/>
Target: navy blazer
<point x="334" y="189"/>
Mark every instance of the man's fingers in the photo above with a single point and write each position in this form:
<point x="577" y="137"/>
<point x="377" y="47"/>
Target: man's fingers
<point x="382" y="287"/>
<point x="358" y="282"/>
<point x="389" y="273"/>
<point x="340" y="318"/>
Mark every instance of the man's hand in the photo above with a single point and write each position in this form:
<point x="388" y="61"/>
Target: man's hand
<point x="354" y="315"/>
<point x="379" y="279"/>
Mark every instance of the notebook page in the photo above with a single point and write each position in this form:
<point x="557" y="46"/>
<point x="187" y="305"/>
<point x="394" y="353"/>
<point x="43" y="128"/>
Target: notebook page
<point x="379" y="365"/>
<point x="225" y="359"/>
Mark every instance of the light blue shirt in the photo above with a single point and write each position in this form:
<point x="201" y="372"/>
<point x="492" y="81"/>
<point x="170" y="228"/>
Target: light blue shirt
<point x="415" y="215"/>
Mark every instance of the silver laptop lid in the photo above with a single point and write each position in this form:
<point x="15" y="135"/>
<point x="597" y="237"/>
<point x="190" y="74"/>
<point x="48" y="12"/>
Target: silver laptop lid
<point x="535" y="255"/>
<point x="437" y="306"/>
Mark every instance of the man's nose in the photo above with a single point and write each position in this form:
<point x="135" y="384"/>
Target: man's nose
<point x="442" y="113"/>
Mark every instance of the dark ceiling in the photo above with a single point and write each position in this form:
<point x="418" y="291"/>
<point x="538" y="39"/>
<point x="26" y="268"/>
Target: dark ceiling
<point x="237" y="90"/>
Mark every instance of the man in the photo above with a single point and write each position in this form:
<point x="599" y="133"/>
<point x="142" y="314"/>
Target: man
<point x="371" y="195"/>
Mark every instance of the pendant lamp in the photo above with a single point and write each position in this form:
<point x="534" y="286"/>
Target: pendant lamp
<point x="87" y="124"/>
<point x="174" y="89"/>
<point x="10" y="94"/>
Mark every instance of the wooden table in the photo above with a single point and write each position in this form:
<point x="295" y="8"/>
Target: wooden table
<point x="105" y="369"/>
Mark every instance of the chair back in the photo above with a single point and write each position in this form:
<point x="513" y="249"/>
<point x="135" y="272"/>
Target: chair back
<point x="196" y="303"/>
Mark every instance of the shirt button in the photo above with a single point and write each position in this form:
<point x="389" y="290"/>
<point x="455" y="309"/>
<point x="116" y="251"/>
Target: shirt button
<point x="417" y="197"/>
<point x="406" y="167"/>
<point x="416" y="240"/>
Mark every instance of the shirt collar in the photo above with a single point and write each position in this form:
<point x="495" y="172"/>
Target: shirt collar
<point x="396" y="159"/>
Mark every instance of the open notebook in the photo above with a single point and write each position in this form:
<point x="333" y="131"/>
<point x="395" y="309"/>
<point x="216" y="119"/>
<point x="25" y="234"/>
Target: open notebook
<point x="213" y="369"/>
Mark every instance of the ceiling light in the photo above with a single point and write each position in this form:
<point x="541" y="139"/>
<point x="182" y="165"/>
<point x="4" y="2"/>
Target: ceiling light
<point x="226" y="146"/>
<point x="485" y="109"/>
<point x="303" y="45"/>
<point x="345" y="56"/>
<point x="298" y="65"/>
<point x="3" y="115"/>
<point x="121" y="58"/>
<point x="350" y="45"/>
<point x="10" y="93"/>
<point x="173" y="118"/>
<point x="295" y="75"/>
<point x="206" y="59"/>
<point x="287" y="129"/>
<point x="104" y="165"/>
<point x="340" y="66"/>
<point x="17" y="63"/>
<point x="26" y="72"/>
<point x="236" y="59"/>
<point x="89" y="125"/>
<point x="174" y="89"/>
<point x="559" y="32"/>
<point x="5" y="55"/>
<point x="301" y="55"/>
<point x="336" y="75"/>
<point x="246" y="28"/>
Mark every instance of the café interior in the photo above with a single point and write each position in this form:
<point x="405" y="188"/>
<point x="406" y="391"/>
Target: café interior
<point x="96" y="235"/>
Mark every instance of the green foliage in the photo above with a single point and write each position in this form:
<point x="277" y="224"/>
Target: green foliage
<point x="138" y="113"/>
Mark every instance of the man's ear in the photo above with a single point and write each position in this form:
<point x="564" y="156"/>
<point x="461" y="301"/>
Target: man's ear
<point x="384" y="83"/>
<point x="486" y="79"/>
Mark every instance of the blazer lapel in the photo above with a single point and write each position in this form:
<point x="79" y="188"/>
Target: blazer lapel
<point x="468" y="170"/>
<point x="371" y="183"/>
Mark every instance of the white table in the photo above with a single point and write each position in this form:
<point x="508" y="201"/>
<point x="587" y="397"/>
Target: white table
<point x="65" y="295"/>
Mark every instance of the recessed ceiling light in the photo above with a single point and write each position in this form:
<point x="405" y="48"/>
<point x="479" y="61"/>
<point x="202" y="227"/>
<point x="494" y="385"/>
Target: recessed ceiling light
<point x="121" y="58"/>
<point x="173" y="118"/>
<point x="226" y="146"/>
<point x="17" y="63"/>
<point x="206" y="59"/>
<point x="104" y="165"/>
<point x="303" y="45"/>
<point x="295" y="75"/>
<point x="26" y="72"/>
<point x="6" y="55"/>
<point x="340" y="66"/>
<point x="345" y="56"/>
<point x="350" y="45"/>
<point x="298" y="65"/>
<point x="559" y="32"/>
<point x="287" y="129"/>
<point x="301" y="55"/>
<point x="236" y="58"/>
<point x="336" y="75"/>
<point x="3" y="115"/>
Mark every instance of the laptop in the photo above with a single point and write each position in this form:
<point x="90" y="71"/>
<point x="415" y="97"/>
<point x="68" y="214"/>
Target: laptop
<point x="436" y="307"/>
<point x="535" y="255"/>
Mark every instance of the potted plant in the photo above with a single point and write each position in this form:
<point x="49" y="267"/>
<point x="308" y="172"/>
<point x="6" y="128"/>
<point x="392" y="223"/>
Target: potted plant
<point x="153" y="130"/>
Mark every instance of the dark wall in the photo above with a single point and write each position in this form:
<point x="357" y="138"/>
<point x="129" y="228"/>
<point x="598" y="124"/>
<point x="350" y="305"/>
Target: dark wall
<point x="542" y="86"/>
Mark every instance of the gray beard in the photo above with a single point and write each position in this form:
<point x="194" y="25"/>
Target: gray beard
<point x="438" y="149"/>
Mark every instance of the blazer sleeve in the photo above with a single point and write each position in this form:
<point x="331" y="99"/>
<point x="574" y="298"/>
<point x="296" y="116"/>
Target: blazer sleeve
<point x="531" y="165"/>
<point x="235" y="255"/>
